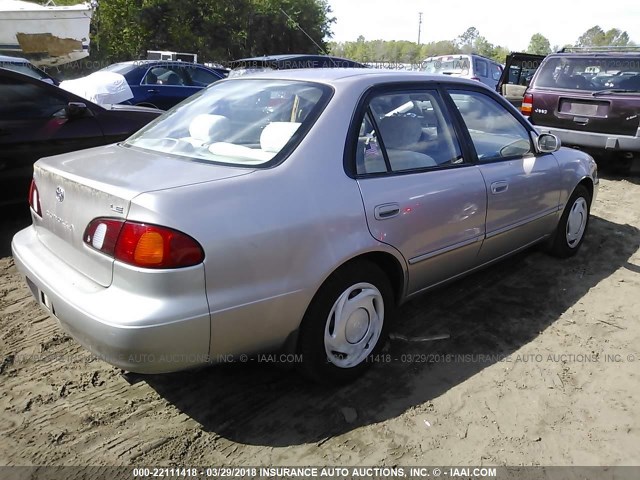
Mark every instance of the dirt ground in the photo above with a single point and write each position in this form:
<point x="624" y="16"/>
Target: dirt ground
<point x="542" y="368"/>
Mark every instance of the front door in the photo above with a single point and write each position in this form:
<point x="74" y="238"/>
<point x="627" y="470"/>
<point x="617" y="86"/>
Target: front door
<point x="523" y="187"/>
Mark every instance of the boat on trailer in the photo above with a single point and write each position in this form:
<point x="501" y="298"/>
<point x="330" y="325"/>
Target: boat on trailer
<point x="47" y="35"/>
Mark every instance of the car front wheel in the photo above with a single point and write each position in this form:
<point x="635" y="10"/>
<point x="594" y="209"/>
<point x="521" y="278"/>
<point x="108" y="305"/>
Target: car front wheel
<point x="573" y="224"/>
<point x="346" y="323"/>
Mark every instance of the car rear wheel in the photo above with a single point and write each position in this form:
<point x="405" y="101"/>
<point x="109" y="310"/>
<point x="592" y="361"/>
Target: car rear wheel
<point x="346" y="323"/>
<point x="573" y="224"/>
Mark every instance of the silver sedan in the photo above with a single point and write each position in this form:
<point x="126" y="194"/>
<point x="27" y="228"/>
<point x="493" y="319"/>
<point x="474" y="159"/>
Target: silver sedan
<point x="292" y="211"/>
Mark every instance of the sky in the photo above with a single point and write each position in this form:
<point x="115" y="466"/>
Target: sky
<point x="506" y="23"/>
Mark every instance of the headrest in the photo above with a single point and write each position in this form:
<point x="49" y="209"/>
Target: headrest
<point x="209" y="128"/>
<point x="400" y="131"/>
<point x="276" y="135"/>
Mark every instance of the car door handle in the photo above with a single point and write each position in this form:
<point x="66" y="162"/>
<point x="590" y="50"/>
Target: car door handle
<point x="388" y="210"/>
<point x="152" y="90"/>
<point x="499" y="187"/>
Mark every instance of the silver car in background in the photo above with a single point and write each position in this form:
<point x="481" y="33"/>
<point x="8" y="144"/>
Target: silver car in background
<point x="292" y="211"/>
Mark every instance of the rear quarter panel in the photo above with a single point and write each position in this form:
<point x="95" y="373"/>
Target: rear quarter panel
<point x="272" y="237"/>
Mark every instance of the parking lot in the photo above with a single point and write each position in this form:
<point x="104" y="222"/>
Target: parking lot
<point x="541" y="367"/>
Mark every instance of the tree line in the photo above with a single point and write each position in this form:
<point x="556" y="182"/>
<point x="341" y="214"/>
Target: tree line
<point x="470" y="41"/>
<point x="216" y="30"/>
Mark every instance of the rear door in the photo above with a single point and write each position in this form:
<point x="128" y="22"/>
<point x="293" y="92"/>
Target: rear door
<point x="165" y="86"/>
<point x="517" y="75"/>
<point x="523" y="187"/>
<point x="420" y="194"/>
<point x="33" y="125"/>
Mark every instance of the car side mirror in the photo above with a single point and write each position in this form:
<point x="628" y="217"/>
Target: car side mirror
<point x="547" y="143"/>
<point x="77" y="110"/>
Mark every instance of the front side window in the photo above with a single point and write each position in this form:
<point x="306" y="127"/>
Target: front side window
<point x="496" y="134"/>
<point x="414" y="130"/>
<point x="238" y="122"/>
<point x="201" y="77"/>
<point x="28" y="100"/>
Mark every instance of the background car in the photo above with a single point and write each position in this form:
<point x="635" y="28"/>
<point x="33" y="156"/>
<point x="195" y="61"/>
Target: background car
<point x="23" y="65"/>
<point x="40" y="120"/>
<point x="472" y="66"/>
<point x="163" y="84"/>
<point x="590" y="98"/>
<point x="227" y="228"/>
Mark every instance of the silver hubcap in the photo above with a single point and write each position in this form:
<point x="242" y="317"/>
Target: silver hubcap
<point x="354" y="325"/>
<point x="577" y="222"/>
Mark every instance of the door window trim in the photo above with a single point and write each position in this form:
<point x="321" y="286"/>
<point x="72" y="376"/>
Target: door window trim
<point x="468" y="141"/>
<point x="362" y="108"/>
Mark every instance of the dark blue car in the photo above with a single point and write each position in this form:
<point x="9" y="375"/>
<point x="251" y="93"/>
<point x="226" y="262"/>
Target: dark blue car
<point x="163" y="84"/>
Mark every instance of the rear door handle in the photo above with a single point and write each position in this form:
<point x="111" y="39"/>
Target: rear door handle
<point x="388" y="210"/>
<point x="499" y="187"/>
<point x="152" y="90"/>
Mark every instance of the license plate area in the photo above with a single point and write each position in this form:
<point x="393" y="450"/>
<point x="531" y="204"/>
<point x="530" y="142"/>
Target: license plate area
<point x="584" y="107"/>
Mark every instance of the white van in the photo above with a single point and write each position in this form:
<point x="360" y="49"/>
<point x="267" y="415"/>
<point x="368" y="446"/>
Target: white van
<point x="472" y="66"/>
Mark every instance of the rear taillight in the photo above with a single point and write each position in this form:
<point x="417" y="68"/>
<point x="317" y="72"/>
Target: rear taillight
<point x="143" y="245"/>
<point x="34" y="198"/>
<point x="527" y="104"/>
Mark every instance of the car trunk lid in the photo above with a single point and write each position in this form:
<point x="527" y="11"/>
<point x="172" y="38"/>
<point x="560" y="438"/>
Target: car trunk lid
<point x="101" y="182"/>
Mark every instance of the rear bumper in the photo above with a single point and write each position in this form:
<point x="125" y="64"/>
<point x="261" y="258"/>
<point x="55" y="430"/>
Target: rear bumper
<point x="158" y="330"/>
<point x="596" y="141"/>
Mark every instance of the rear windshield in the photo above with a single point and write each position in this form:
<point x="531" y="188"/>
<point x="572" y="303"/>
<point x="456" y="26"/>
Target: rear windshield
<point x="448" y="65"/>
<point x="590" y="73"/>
<point x="121" y="68"/>
<point x="236" y="122"/>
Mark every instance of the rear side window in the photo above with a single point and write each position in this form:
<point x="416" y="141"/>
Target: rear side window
<point x="590" y="73"/>
<point x="481" y="68"/>
<point x="404" y="131"/>
<point x="496" y="134"/>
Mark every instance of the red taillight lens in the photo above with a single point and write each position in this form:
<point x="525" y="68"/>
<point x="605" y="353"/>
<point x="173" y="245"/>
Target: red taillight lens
<point x="527" y="104"/>
<point x="34" y="198"/>
<point x="143" y="245"/>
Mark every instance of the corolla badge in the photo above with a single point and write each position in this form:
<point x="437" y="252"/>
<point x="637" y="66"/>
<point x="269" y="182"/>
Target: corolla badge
<point x="60" y="194"/>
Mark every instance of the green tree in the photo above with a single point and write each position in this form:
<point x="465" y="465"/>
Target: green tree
<point x="539" y="45"/>
<point x="597" y="37"/>
<point x="467" y="39"/>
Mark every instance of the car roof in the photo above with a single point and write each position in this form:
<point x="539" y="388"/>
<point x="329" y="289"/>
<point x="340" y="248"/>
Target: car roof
<point x="595" y="54"/>
<point x="147" y="63"/>
<point x="333" y="76"/>
<point x="293" y="57"/>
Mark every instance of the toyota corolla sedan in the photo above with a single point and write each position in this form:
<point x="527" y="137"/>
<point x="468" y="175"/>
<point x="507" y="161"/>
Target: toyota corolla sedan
<point x="292" y="211"/>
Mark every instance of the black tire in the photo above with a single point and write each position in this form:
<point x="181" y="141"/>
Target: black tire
<point x="561" y="245"/>
<point x="316" y="362"/>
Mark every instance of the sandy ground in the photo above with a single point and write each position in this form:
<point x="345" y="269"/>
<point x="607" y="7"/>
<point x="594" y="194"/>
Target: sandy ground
<point x="542" y="368"/>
